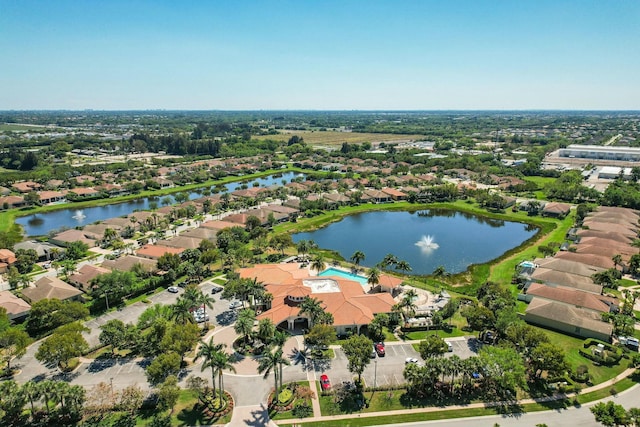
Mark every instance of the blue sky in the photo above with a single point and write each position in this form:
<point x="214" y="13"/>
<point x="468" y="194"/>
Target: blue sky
<point x="446" y="54"/>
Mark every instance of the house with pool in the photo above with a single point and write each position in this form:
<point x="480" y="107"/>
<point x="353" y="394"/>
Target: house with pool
<point x="346" y="298"/>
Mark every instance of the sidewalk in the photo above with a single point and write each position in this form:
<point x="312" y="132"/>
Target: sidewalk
<point x="328" y="418"/>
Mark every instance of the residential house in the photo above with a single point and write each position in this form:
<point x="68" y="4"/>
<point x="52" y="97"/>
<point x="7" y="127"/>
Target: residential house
<point x="69" y="236"/>
<point x="346" y="300"/>
<point x="556" y="210"/>
<point x="47" y="197"/>
<point x="156" y="251"/>
<point x="10" y="202"/>
<point x="50" y="288"/>
<point x="568" y="319"/>
<point x="7" y="259"/>
<point x="16" y="308"/>
<point x="45" y="251"/>
<point x="85" y="274"/>
<point x="128" y="262"/>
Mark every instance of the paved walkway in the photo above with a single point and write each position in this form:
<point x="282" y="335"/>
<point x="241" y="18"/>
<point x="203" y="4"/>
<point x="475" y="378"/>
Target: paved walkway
<point x="329" y="418"/>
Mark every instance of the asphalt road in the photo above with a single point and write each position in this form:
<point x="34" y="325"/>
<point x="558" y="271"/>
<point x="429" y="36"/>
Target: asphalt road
<point x="573" y="416"/>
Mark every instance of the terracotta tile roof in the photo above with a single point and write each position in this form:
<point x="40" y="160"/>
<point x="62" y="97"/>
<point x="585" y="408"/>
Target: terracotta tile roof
<point x="86" y="273"/>
<point x="156" y="251"/>
<point x="14" y="305"/>
<point x="569" y="296"/>
<point x="593" y="260"/>
<point x="127" y="262"/>
<point x="561" y="278"/>
<point x="348" y="304"/>
<point x="218" y="225"/>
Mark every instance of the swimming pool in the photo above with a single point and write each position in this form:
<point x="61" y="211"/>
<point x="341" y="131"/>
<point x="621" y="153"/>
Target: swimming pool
<point x="340" y="273"/>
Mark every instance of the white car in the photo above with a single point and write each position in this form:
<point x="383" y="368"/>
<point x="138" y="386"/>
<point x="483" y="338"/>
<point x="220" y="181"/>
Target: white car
<point x="173" y="289"/>
<point x="235" y="304"/>
<point x="409" y="360"/>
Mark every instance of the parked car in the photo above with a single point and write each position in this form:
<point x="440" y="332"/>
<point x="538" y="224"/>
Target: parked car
<point x="373" y="352"/>
<point x="173" y="289"/>
<point x="380" y="349"/>
<point x="46" y="265"/>
<point x="410" y="360"/>
<point x="324" y="382"/>
<point x="216" y="289"/>
<point x="449" y="346"/>
<point x="235" y="304"/>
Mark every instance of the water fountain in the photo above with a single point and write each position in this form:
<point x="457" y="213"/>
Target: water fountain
<point x="427" y="244"/>
<point x="79" y="215"/>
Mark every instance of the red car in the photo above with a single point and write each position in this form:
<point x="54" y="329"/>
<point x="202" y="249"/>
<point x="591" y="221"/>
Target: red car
<point x="324" y="382"/>
<point x="380" y="349"/>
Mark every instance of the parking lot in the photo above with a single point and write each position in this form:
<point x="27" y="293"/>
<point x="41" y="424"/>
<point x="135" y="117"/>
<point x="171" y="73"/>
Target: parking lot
<point x="387" y="370"/>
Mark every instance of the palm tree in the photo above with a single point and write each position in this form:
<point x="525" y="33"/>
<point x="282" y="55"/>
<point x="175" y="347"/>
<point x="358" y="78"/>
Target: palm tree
<point x="273" y="361"/>
<point x="205" y="301"/>
<point x="408" y="302"/>
<point x="312" y="308"/>
<point x="318" y="263"/>
<point x="389" y="260"/>
<point x="357" y="258"/>
<point x="617" y="260"/>
<point x="403" y="266"/>
<point x="440" y="271"/>
<point x="32" y="391"/>
<point x="74" y="398"/>
<point x="221" y="361"/>
<point x="374" y="277"/>
<point x="266" y="330"/>
<point x="278" y="338"/>
<point x="244" y="323"/>
<point x="181" y="311"/>
<point x="303" y="247"/>
<point x="207" y="351"/>
<point x="268" y="363"/>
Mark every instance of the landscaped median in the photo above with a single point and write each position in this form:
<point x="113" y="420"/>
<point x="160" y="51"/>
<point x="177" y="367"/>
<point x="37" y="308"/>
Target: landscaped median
<point x="379" y="412"/>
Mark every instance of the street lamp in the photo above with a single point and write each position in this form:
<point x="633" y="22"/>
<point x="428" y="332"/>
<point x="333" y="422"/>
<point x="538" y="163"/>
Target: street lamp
<point x="375" y="373"/>
<point x="106" y="297"/>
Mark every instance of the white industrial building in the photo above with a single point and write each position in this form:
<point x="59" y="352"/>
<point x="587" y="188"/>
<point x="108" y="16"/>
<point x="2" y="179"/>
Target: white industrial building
<point x="599" y="152"/>
<point x="612" y="172"/>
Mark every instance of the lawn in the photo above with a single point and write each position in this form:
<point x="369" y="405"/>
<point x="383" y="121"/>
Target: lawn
<point x="571" y="345"/>
<point x="283" y="415"/>
<point x="185" y="413"/>
<point x="333" y="138"/>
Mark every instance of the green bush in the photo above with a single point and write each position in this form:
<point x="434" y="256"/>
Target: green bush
<point x="302" y="410"/>
<point x="285" y="396"/>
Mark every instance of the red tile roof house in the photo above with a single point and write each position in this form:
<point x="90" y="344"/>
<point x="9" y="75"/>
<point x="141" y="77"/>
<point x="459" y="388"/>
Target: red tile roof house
<point x="556" y="210"/>
<point x="10" y="202"/>
<point x="346" y="300"/>
<point x="7" y="259"/>
<point x="26" y="186"/>
<point x="85" y="274"/>
<point x="84" y="191"/>
<point x="579" y="299"/>
<point x="156" y="251"/>
<point x="47" y="197"/>
<point x="16" y="307"/>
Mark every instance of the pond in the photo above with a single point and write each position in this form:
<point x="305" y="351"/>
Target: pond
<point x="425" y="239"/>
<point x="43" y="223"/>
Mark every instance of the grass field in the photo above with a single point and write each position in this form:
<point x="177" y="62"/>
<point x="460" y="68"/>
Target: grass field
<point x="10" y="127"/>
<point x="332" y="138"/>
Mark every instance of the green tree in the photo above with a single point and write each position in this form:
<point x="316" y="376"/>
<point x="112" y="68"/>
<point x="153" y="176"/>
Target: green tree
<point x="114" y="334"/>
<point x="13" y="343"/>
<point x="162" y="367"/>
<point x="180" y="338"/>
<point x="548" y="357"/>
<point x="25" y="260"/>
<point x="357" y="258"/>
<point x="320" y="336"/>
<point x="374" y="277"/>
<point x="312" y="307"/>
<point x="65" y="343"/>
<point x="610" y="414"/>
<point x="432" y="346"/>
<point x="357" y="348"/>
<point x="168" y="393"/>
<point x="76" y="250"/>
<point x="270" y="362"/>
<point x="244" y="324"/>
<point x="208" y="351"/>
<point x="503" y="368"/>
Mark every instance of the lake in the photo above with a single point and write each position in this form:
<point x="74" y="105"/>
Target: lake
<point x="425" y="239"/>
<point x="43" y="223"/>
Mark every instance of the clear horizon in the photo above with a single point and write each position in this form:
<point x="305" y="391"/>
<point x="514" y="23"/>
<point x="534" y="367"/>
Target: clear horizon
<point x="378" y="55"/>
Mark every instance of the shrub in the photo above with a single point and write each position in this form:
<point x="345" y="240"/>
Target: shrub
<point x="302" y="410"/>
<point x="285" y="396"/>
